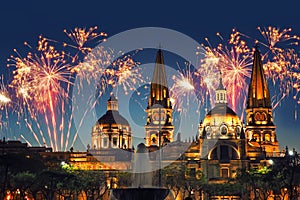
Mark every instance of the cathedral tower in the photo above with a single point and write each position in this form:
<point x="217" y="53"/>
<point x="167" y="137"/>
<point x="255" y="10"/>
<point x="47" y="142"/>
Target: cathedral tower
<point x="159" y="109"/>
<point x="260" y="129"/>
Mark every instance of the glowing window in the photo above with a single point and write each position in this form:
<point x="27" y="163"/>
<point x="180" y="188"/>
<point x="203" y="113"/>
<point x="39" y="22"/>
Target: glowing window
<point x="224" y="172"/>
<point x="256" y="137"/>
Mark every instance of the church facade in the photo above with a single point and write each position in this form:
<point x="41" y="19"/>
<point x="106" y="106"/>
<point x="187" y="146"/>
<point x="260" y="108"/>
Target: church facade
<point x="223" y="144"/>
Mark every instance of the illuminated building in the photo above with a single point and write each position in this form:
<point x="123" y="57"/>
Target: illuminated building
<point x="260" y="128"/>
<point x="159" y="110"/>
<point x="112" y="129"/>
<point x="222" y="140"/>
<point x="225" y="143"/>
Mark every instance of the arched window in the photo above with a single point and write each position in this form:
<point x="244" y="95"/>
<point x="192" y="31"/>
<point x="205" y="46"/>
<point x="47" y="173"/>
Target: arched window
<point x="256" y="137"/>
<point x="105" y="142"/>
<point x="267" y="138"/>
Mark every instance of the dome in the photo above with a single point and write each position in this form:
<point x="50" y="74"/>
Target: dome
<point x="113" y="117"/>
<point x="221" y="123"/>
<point x="221" y="114"/>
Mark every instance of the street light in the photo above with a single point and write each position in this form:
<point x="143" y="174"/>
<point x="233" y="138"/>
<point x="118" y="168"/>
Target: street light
<point x="271" y="162"/>
<point x="293" y="163"/>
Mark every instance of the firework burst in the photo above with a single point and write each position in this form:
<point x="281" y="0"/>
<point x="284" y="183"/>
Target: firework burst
<point x="38" y="80"/>
<point x="109" y="69"/>
<point x="281" y="62"/>
<point x="81" y="38"/>
<point x="185" y="88"/>
<point x="43" y="79"/>
<point x="233" y="60"/>
<point x="100" y="67"/>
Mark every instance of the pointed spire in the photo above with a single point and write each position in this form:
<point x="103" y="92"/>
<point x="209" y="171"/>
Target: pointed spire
<point x="221" y="95"/>
<point x="258" y="94"/>
<point x="221" y="86"/>
<point x="159" y="92"/>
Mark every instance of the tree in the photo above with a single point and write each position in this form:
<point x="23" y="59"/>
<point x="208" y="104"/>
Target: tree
<point x="50" y="182"/>
<point x="22" y="182"/>
<point x="264" y="182"/>
<point x="93" y="183"/>
<point x="124" y="179"/>
<point x="190" y="179"/>
<point x="12" y="164"/>
<point x="222" y="189"/>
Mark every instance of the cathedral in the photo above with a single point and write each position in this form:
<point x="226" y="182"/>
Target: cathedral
<point x="224" y="144"/>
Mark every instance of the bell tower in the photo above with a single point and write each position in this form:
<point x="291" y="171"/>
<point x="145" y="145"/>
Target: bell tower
<point x="159" y="109"/>
<point x="221" y="96"/>
<point x="260" y="127"/>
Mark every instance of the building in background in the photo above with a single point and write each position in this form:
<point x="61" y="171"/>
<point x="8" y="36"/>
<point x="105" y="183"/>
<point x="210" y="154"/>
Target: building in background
<point x="112" y="130"/>
<point x="159" y="126"/>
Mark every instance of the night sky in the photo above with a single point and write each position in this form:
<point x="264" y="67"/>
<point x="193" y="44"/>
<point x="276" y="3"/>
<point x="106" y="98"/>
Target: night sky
<point x="25" y="20"/>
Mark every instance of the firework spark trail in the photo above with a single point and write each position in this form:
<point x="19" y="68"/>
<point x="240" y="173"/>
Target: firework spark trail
<point x="49" y="130"/>
<point x="5" y="104"/>
<point x="66" y="106"/>
<point x="92" y="104"/>
<point x="125" y="73"/>
<point x="24" y="138"/>
<point x="27" y="113"/>
<point x="81" y="37"/>
<point x="69" y="129"/>
<point x="281" y="61"/>
<point x="33" y="116"/>
<point x="110" y="68"/>
<point x="32" y="131"/>
<point x="208" y="70"/>
<point x="234" y="64"/>
<point x="184" y="88"/>
<point x="236" y="70"/>
<point x="53" y="119"/>
<point x="274" y="35"/>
